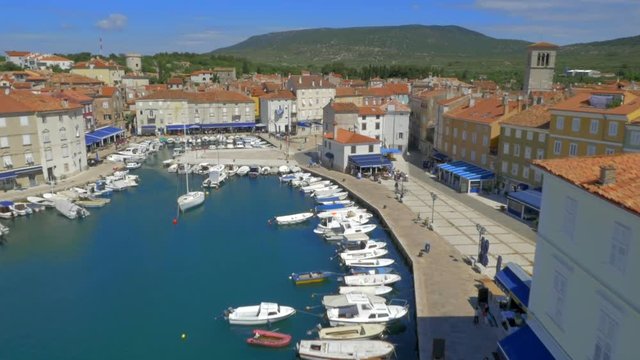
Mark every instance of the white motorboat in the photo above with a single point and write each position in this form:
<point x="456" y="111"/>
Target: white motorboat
<point x="334" y="301"/>
<point x="346" y="203"/>
<point x="335" y="224"/>
<point x="261" y="314"/>
<point x="93" y="202"/>
<point x="335" y="196"/>
<point x="131" y="165"/>
<point x="371" y="280"/>
<point x="345" y="349"/>
<point x="21" y="209"/>
<point x="373" y="290"/>
<point x="35" y="207"/>
<point x="362" y="244"/>
<point x="6" y="212"/>
<point x="69" y="209"/>
<point x="173" y="168"/>
<point x="117" y="157"/>
<point x="116" y="185"/>
<point x="363" y="254"/>
<point x="40" y="201"/>
<point x="316" y="186"/>
<point x="232" y="170"/>
<point x="368" y="313"/>
<point x="369" y="263"/>
<point x="295" y="169"/>
<point x="327" y="191"/>
<point x="293" y="219"/>
<point x="284" y="169"/>
<point x="265" y="170"/>
<point x="191" y="199"/>
<point x="217" y="176"/>
<point x="4" y="230"/>
<point x="168" y="163"/>
<point x="243" y="170"/>
<point x="351" y="210"/>
<point x="352" y="332"/>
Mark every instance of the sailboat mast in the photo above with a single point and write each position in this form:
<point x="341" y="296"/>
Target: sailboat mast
<point x="186" y="164"/>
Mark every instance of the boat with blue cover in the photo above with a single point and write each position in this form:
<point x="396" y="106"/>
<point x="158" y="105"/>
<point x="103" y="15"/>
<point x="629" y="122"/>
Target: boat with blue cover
<point x="311" y="277"/>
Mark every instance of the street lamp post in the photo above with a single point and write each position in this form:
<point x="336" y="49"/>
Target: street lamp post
<point x="481" y="231"/>
<point x="434" y="197"/>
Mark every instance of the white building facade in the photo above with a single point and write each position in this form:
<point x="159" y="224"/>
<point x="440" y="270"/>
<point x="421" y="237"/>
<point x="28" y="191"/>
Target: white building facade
<point x="312" y="95"/>
<point x="585" y="295"/>
<point x="395" y="126"/>
<point x="277" y="111"/>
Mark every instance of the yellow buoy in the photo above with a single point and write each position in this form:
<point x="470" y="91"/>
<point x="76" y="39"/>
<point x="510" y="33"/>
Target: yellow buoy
<point x="183" y="336"/>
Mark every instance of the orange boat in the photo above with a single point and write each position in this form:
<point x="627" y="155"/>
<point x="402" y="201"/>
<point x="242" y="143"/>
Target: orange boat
<point x="269" y="338"/>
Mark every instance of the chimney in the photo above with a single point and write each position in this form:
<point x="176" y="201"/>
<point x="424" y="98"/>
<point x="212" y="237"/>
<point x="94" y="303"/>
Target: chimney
<point x="65" y="103"/>
<point x="320" y="82"/>
<point x="519" y="103"/>
<point x="505" y="103"/>
<point x="300" y="79"/>
<point x="607" y="174"/>
<point x="313" y="83"/>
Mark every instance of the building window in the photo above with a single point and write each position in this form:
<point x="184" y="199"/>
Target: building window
<point x="473" y="155"/>
<point x="541" y="137"/>
<point x="537" y="175"/>
<point x="514" y="169"/>
<point x="3" y="122"/>
<point x="370" y="148"/>
<point x="26" y="139"/>
<point x="464" y="134"/>
<point x="353" y="149"/>
<point x="560" y="122"/>
<point x="507" y="131"/>
<point x="48" y="154"/>
<point x="557" y="147"/>
<point x="525" y="172"/>
<point x="377" y="126"/>
<point x="6" y="159"/>
<point x="606" y="333"/>
<point x="609" y="151"/>
<point x="559" y="294"/>
<point x="620" y="242"/>
<point x="483" y="159"/>
<point x="453" y="150"/>
<point x="570" y="213"/>
<point x="516" y="149"/>
<point x="364" y="126"/>
<point x="474" y="138"/>
<point x="529" y="135"/>
<point x="505" y="167"/>
<point x="28" y="158"/>
<point x="518" y="133"/>
<point x="24" y="121"/>
<point x="4" y="142"/>
<point x="65" y="151"/>
<point x="485" y="140"/>
<point x="364" y="118"/>
<point x="455" y="133"/>
<point x="575" y="124"/>
<point x="377" y="116"/>
<point x="505" y="148"/>
<point x="400" y="135"/>
<point x="593" y="126"/>
<point x="446" y="131"/>
<point x="573" y="149"/>
<point x="63" y="133"/>
<point x="540" y="154"/>
<point x="634" y="138"/>
<point x="105" y="105"/>
<point x="613" y="128"/>
<point x="527" y="152"/>
<point x="591" y="150"/>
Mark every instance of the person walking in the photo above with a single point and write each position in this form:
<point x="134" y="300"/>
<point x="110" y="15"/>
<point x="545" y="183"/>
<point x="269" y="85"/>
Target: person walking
<point x="476" y="316"/>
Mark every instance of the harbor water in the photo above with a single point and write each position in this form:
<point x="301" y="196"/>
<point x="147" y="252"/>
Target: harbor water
<point x="126" y="283"/>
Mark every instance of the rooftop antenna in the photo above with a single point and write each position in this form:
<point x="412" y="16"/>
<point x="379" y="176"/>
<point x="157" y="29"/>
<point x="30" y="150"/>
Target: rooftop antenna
<point x="100" y="46"/>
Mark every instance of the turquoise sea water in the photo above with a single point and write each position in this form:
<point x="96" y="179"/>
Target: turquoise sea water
<point x="125" y="282"/>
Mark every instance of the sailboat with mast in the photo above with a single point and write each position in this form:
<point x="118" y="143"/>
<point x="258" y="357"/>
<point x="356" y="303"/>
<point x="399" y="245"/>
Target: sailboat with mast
<point x="191" y="198"/>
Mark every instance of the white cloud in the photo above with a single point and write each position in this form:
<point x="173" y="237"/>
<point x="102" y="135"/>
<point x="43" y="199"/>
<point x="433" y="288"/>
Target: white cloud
<point x="113" y="22"/>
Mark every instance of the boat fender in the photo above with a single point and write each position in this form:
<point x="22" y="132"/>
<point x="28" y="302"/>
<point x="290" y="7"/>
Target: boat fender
<point x="183" y="336"/>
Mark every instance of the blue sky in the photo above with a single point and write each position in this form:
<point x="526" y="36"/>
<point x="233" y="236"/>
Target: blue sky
<point x="200" y="26"/>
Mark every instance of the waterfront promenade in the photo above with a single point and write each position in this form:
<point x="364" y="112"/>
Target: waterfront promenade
<point x="445" y="287"/>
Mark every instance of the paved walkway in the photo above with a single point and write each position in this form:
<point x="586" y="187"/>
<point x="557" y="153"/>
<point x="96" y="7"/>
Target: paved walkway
<point x="445" y="286"/>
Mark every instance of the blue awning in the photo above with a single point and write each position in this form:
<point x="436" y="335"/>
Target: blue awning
<point x="524" y="344"/>
<point x="28" y="170"/>
<point x="8" y="175"/>
<point x="193" y="126"/>
<point x="385" y="151"/>
<point x="148" y="127"/>
<point x="516" y="282"/>
<point x="329" y="155"/>
<point x="228" y="125"/>
<point x="467" y="171"/>
<point x="329" y="207"/>
<point x="370" y="161"/>
<point x="439" y="156"/>
<point x="90" y="139"/>
<point x="105" y="132"/>
<point x="304" y="124"/>
<point x="530" y="198"/>
<point x="175" y="127"/>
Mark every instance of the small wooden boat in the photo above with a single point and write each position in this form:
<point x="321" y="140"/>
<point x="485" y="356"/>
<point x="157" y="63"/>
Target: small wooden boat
<point x="369" y="263"/>
<point x="243" y="170"/>
<point x="40" y="201"/>
<point x="351" y="332"/>
<point x="373" y="290"/>
<point x="269" y="338"/>
<point x="311" y="277"/>
<point x="293" y="219"/>
<point x="363" y="254"/>
<point x="345" y="349"/>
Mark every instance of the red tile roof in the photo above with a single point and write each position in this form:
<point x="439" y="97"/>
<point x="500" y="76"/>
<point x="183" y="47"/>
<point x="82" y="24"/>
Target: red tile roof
<point x="348" y="137"/>
<point x="24" y="101"/>
<point x="22" y="85"/>
<point x="543" y="45"/>
<point x="175" y="81"/>
<point x="279" y="95"/>
<point x="344" y="107"/>
<point x="584" y="172"/>
<point x="397" y="88"/>
<point x="215" y="96"/>
<point x="370" y="110"/>
<point x="108" y="91"/>
<point x="580" y="103"/>
<point x="53" y="58"/>
<point x="537" y="116"/>
<point x="17" y="53"/>
<point x="346" y="92"/>
<point x="484" y="111"/>
<point x="73" y="79"/>
<point x="97" y="63"/>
